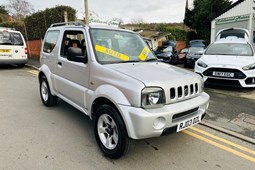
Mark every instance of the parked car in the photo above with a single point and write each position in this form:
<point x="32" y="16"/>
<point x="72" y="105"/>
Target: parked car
<point x="193" y="54"/>
<point x="229" y="61"/>
<point x="120" y="86"/>
<point x="182" y="55"/>
<point x="167" y="54"/>
<point x="13" y="49"/>
<point x="197" y="43"/>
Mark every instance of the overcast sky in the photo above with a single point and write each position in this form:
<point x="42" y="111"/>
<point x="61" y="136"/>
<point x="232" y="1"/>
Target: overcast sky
<point x="149" y="10"/>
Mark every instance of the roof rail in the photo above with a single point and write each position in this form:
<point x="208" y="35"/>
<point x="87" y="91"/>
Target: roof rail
<point x="8" y="28"/>
<point x="66" y="23"/>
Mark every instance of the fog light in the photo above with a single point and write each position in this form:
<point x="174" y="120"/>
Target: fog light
<point x="159" y="123"/>
<point x="207" y="106"/>
<point x="250" y="81"/>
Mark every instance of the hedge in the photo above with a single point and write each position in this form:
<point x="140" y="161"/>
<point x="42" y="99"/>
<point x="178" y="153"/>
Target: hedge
<point x="180" y="35"/>
<point x="18" y="25"/>
<point x="38" y="23"/>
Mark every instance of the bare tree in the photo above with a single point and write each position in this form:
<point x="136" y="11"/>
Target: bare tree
<point x="19" y="9"/>
<point x="119" y="20"/>
<point x="137" y="21"/>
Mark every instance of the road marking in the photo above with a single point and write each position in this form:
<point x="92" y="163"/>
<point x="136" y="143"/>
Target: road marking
<point x="33" y="72"/>
<point x="224" y="140"/>
<point x="220" y="146"/>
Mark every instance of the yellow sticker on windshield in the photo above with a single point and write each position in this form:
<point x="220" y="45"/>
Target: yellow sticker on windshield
<point x="112" y="53"/>
<point x="144" y="54"/>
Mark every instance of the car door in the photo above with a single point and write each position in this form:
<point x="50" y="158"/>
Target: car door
<point x="72" y="77"/>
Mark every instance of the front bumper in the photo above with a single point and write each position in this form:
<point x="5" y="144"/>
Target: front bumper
<point x="246" y="81"/>
<point x="191" y="61"/>
<point x="141" y="123"/>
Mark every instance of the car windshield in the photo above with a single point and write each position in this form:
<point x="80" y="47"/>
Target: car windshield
<point x="185" y="50"/>
<point x="113" y="46"/>
<point x="196" y="50"/>
<point x="230" y="49"/>
<point x="166" y="49"/>
<point x="10" y="38"/>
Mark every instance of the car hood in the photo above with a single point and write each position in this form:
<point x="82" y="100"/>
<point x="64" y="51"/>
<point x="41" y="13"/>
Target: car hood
<point x="155" y="73"/>
<point x="165" y="54"/>
<point x="239" y="61"/>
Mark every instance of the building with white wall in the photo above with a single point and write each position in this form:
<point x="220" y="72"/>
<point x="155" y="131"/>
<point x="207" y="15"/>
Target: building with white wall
<point x="240" y="14"/>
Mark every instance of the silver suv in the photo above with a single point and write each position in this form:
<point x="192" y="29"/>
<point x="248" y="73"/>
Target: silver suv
<point x="111" y="75"/>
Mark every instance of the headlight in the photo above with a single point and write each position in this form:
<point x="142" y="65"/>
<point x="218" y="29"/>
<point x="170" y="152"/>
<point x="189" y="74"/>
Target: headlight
<point x="153" y="97"/>
<point x="249" y="67"/>
<point x="188" y="56"/>
<point x="201" y="64"/>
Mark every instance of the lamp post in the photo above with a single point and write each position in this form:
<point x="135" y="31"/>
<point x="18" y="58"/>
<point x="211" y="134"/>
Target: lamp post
<point x="86" y="11"/>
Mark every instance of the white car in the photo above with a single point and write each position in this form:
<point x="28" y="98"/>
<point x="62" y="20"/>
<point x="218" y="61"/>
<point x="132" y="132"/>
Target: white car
<point x="13" y="49"/>
<point x="229" y="61"/>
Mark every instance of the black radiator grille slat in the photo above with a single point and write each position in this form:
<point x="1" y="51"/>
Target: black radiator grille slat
<point x="223" y="82"/>
<point x="237" y="73"/>
<point x="179" y="115"/>
<point x="191" y="89"/>
<point x="183" y="91"/>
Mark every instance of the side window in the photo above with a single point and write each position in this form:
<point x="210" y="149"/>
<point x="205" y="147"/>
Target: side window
<point x="50" y="41"/>
<point x="72" y="38"/>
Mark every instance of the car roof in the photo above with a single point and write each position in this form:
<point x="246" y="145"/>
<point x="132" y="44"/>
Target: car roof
<point x="64" y="25"/>
<point x="9" y="29"/>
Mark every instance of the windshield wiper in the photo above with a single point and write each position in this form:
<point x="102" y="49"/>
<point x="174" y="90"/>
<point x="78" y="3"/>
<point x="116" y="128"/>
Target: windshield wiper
<point x="6" y="43"/>
<point x="151" y="59"/>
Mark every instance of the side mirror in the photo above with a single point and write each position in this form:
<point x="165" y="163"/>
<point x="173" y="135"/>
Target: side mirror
<point x="75" y="54"/>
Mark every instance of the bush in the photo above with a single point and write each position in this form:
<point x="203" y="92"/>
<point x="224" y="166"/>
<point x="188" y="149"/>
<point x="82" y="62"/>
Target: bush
<point x="18" y="25"/>
<point x="38" y="23"/>
<point x="180" y="35"/>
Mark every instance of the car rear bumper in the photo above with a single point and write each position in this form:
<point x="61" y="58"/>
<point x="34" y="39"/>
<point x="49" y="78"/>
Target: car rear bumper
<point x="141" y="123"/>
<point x="13" y="61"/>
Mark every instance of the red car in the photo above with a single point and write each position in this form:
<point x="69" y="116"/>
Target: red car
<point x="182" y="55"/>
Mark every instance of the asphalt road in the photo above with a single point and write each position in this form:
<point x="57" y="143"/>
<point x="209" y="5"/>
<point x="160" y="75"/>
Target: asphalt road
<point x="33" y="136"/>
<point x="232" y="111"/>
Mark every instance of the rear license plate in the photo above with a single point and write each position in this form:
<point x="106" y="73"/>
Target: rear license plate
<point x="5" y="50"/>
<point x="223" y="74"/>
<point x="189" y="122"/>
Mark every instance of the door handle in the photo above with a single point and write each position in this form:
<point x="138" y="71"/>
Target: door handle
<point x="59" y="63"/>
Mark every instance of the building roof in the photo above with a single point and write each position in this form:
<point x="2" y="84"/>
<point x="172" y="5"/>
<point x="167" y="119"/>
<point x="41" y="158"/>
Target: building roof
<point x="152" y="34"/>
<point x="228" y="8"/>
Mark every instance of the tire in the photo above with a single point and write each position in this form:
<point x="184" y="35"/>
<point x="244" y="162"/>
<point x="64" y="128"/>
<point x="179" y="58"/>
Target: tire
<point x="21" y="65"/>
<point x="47" y="98"/>
<point x="110" y="132"/>
<point x="185" y="64"/>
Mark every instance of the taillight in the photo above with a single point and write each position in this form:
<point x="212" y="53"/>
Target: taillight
<point x="25" y="50"/>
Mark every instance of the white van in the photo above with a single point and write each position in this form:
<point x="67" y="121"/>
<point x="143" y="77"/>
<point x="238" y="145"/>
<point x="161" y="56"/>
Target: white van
<point x="13" y="49"/>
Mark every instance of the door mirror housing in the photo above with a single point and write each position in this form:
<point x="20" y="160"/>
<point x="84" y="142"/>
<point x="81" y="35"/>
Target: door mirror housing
<point x="75" y="54"/>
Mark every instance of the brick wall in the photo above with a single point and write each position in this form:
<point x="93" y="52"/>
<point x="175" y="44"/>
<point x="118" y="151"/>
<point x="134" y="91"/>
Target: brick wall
<point x="180" y="45"/>
<point x="34" y="48"/>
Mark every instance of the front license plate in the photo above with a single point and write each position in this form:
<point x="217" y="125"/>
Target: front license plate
<point x="223" y="74"/>
<point x="187" y="123"/>
<point x="5" y="50"/>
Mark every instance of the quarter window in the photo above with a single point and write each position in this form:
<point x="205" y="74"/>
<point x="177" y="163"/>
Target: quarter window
<point x="50" y="41"/>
